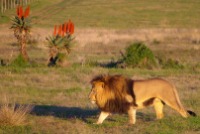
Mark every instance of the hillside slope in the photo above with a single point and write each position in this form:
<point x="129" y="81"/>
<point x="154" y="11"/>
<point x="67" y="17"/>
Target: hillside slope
<point x="116" y="14"/>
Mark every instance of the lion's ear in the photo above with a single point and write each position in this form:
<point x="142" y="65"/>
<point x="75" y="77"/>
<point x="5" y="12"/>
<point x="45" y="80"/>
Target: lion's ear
<point x="103" y="85"/>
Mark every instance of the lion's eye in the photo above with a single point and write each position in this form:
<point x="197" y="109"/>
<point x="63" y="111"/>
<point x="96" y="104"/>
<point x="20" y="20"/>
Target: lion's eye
<point x="94" y="91"/>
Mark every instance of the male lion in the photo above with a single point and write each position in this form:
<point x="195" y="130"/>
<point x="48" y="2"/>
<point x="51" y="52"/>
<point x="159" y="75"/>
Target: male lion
<point x="117" y="94"/>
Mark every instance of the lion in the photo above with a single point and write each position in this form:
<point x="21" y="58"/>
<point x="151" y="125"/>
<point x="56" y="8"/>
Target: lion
<point x="118" y="94"/>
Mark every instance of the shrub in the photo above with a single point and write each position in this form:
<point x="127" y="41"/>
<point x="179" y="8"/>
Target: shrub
<point x="12" y="114"/>
<point x="138" y="55"/>
<point x="20" y="62"/>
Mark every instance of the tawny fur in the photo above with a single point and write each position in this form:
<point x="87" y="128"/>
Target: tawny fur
<point x="118" y="94"/>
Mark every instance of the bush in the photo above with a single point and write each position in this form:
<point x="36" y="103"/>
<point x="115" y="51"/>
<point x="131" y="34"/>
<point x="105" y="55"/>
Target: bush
<point x="20" y="62"/>
<point x="138" y="55"/>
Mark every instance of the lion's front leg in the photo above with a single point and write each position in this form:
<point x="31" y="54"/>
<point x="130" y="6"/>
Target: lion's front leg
<point x="132" y="115"/>
<point x="103" y="115"/>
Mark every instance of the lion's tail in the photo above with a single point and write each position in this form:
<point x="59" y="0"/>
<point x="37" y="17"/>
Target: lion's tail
<point x="191" y="113"/>
<point x="182" y="111"/>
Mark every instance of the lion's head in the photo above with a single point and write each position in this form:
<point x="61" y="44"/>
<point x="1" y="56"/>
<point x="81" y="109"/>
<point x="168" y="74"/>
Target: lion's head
<point x="112" y="93"/>
<point x="97" y="89"/>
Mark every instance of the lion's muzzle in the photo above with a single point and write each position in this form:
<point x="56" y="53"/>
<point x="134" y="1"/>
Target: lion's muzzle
<point x="93" y="102"/>
<point x="92" y="98"/>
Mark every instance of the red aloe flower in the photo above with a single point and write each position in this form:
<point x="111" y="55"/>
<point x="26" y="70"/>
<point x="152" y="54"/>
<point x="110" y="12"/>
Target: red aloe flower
<point x="27" y="11"/>
<point x="17" y="11"/>
<point x="60" y="30"/>
<point x="63" y="33"/>
<point x="69" y="26"/>
<point x="65" y="27"/>
<point x="55" y="30"/>
<point x="20" y="12"/>
<point x="71" y="30"/>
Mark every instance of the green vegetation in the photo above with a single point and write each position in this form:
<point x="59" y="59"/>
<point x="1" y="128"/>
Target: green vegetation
<point x="19" y="61"/>
<point x="170" y="63"/>
<point x="138" y="55"/>
<point x="15" y="129"/>
<point x="174" y="125"/>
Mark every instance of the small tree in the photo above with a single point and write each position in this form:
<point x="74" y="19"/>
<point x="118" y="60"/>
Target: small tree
<point x="60" y="43"/>
<point x="21" y="25"/>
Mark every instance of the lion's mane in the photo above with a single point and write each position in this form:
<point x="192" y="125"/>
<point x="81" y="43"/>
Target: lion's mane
<point x="113" y="98"/>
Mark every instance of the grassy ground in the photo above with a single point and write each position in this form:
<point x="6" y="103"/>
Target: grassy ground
<point x="117" y="14"/>
<point x="60" y="94"/>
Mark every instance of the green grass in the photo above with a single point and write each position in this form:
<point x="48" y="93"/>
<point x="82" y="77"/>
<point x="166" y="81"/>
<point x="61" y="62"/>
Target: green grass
<point x="117" y="14"/>
<point x="168" y="125"/>
<point x="15" y="130"/>
<point x="174" y="125"/>
<point x="52" y="91"/>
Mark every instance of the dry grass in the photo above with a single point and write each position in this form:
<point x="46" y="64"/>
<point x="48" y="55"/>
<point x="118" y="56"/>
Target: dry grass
<point x="12" y="114"/>
<point x="60" y="95"/>
<point x="105" y="42"/>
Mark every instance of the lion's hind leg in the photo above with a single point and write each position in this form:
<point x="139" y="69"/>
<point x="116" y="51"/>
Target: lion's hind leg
<point x="176" y="105"/>
<point x="182" y="111"/>
<point x="158" y="106"/>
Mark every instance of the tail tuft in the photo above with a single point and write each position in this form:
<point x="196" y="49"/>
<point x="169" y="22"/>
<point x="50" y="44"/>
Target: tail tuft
<point x="192" y="113"/>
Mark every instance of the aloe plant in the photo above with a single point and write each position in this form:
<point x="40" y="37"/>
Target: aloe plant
<point x="21" y="25"/>
<point x="60" y="43"/>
